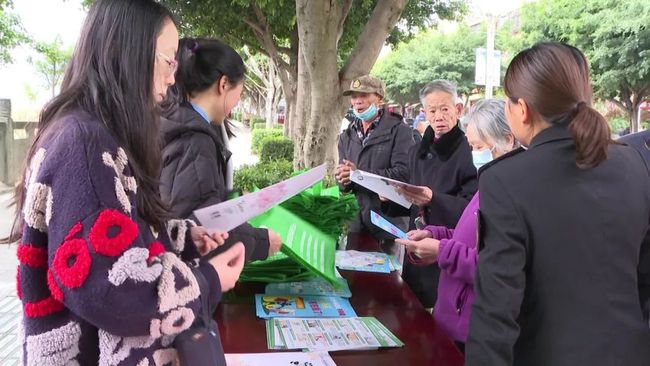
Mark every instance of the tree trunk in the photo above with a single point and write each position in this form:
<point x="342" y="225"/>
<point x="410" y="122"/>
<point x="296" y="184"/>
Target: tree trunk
<point x="269" y="83"/>
<point x="300" y="112"/>
<point x="316" y="22"/>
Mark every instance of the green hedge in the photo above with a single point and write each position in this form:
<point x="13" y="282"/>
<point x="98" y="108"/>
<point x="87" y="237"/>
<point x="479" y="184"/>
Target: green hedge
<point x="259" y="135"/>
<point x="262" y="174"/>
<point x="256" y="121"/>
<point x="276" y="148"/>
<point x="237" y="116"/>
<point x="259" y="126"/>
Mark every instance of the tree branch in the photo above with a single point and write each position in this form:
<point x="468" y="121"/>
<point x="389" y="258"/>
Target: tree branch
<point x="257" y="29"/>
<point x="345" y="11"/>
<point x="365" y="52"/>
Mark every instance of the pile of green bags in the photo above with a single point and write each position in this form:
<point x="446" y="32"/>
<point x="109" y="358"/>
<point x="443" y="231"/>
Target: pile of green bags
<point x="325" y="210"/>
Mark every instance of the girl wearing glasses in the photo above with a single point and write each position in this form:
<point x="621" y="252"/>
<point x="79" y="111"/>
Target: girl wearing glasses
<point x="103" y="277"/>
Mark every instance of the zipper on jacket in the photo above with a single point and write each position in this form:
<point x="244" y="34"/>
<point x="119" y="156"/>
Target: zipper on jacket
<point x="461" y="299"/>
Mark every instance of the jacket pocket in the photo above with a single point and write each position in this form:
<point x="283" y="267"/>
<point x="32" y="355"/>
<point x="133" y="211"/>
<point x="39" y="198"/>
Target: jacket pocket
<point x="462" y="299"/>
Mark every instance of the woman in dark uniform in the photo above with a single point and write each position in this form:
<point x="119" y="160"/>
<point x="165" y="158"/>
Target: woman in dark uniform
<point x="562" y="229"/>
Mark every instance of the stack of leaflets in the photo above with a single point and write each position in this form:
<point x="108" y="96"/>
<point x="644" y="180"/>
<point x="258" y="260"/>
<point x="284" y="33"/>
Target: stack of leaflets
<point x="361" y="333"/>
<point x="354" y="260"/>
<point x="272" y="306"/>
<point x="315" y="286"/>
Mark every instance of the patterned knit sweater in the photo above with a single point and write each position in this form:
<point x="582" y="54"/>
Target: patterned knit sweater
<point x="98" y="285"/>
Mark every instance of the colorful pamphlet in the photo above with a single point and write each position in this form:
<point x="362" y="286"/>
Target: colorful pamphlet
<point x="385" y="225"/>
<point x="227" y="215"/>
<point x="280" y="358"/>
<point x="313" y="287"/>
<point x="358" y="333"/>
<point x="271" y="306"/>
<point x="353" y="260"/>
<point x="383" y="186"/>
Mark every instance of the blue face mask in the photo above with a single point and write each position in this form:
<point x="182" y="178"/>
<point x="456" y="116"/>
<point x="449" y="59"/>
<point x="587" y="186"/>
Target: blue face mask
<point x="367" y="114"/>
<point x="481" y="157"/>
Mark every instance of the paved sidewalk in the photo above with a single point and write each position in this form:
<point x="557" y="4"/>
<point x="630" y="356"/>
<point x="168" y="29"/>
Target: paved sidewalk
<point x="10" y="307"/>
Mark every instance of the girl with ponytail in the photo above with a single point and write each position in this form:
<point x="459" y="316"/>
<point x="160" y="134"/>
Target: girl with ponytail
<point x="562" y="229"/>
<point x="197" y="168"/>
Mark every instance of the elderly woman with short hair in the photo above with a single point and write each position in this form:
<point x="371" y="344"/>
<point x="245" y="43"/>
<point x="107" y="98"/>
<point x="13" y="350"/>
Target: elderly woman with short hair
<point x="455" y="249"/>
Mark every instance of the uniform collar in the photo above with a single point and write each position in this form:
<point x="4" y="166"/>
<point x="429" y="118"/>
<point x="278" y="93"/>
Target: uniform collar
<point x="553" y="133"/>
<point x="201" y="111"/>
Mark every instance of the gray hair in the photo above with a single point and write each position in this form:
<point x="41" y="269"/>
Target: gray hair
<point x="489" y="119"/>
<point x="440" y="86"/>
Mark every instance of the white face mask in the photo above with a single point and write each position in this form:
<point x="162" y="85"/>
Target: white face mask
<point x="481" y="157"/>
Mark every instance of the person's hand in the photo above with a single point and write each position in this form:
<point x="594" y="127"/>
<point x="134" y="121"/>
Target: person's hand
<point x="275" y="242"/>
<point x="416" y="235"/>
<point x="420" y="195"/>
<point x="383" y="199"/>
<point x="350" y="164"/>
<point x="342" y="174"/>
<point x="205" y="242"/>
<point x="229" y="265"/>
<point x="425" y="249"/>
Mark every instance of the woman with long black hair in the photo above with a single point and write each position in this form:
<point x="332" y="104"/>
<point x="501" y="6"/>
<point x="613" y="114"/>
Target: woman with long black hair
<point x="102" y="275"/>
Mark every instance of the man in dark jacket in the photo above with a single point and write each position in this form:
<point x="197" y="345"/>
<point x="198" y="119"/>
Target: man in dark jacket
<point x="378" y="143"/>
<point x="194" y="174"/>
<point x="441" y="166"/>
<point x="640" y="141"/>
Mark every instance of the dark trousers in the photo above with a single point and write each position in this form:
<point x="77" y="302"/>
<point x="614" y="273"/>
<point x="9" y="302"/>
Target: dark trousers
<point x="423" y="281"/>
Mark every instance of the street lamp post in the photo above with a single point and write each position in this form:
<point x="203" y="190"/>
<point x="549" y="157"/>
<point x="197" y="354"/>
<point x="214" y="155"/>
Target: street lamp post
<point x="491" y="32"/>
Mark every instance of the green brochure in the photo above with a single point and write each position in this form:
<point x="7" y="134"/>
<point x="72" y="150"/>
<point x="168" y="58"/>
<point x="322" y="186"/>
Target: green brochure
<point x="302" y="241"/>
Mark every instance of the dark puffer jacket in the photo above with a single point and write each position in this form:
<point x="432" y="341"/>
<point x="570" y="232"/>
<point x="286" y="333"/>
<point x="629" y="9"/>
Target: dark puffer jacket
<point x="193" y="174"/>
<point x="385" y="153"/>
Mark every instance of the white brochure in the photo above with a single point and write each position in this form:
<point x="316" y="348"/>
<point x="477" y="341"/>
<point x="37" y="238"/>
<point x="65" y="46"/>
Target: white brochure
<point x="383" y="186"/>
<point x="227" y="215"/>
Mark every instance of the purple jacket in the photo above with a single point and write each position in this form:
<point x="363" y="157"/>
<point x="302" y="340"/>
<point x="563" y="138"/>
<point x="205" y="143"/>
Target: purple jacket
<point x="457" y="258"/>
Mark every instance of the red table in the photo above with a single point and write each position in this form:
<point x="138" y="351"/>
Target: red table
<point x="384" y="296"/>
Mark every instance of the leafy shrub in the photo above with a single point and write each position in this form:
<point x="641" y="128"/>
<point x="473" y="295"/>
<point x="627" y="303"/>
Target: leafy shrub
<point x="262" y="174"/>
<point x="259" y="135"/>
<point x="276" y="148"/>
<point x="618" y="124"/>
<point x="237" y="116"/>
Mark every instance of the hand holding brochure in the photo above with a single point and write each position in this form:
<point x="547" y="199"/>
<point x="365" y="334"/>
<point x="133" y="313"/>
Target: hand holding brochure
<point x="227" y="215"/>
<point x="384" y="224"/>
<point x="383" y="186"/>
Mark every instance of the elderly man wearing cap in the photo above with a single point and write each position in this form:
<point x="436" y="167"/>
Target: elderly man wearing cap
<point x="378" y="142"/>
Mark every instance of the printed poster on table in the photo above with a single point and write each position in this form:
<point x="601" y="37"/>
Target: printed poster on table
<point x="353" y="260"/>
<point x="315" y="287"/>
<point x="271" y="306"/>
<point x="280" y="358"/>
<point x="359" y="333"/>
